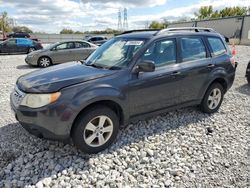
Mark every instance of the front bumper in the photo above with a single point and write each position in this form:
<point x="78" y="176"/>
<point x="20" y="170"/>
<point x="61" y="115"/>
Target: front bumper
<point x="50" y="122"/>
<point x="31" y="60"/>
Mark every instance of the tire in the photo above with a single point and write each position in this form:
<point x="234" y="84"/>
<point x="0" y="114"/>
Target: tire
<point x="212" y="99"/>
<point x="92" y="138"/>
<point x="44" y="62"/>
<point x="248" y="79"/>
<point x="31" y="50"/>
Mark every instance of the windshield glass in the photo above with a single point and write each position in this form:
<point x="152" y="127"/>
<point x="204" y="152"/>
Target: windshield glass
<point x="115" y="54"/>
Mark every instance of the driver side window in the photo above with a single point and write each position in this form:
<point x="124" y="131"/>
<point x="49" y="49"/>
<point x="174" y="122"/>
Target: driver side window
<point x="162" y="52"/>
<point x="64" y="46"/>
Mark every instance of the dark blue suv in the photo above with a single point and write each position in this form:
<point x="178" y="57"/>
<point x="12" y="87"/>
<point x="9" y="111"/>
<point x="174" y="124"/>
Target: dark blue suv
<point x="132" y="76"/>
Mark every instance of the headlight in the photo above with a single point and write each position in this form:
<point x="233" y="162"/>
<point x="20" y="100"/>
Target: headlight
<point x="39" y="100"/>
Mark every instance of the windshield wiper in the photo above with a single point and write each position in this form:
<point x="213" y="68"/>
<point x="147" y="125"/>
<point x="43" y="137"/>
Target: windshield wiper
<point x="96" y="66"/>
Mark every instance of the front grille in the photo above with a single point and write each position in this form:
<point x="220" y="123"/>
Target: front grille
<point x="17" y="97"/>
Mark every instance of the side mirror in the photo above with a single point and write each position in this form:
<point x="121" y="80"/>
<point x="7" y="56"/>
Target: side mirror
<point x="53" y="49"/>
<point x="145" y="66"/>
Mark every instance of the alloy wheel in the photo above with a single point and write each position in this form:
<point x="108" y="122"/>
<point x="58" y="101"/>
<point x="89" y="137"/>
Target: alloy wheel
<point x="214" y="98"/>
<point x="98" y="131"/>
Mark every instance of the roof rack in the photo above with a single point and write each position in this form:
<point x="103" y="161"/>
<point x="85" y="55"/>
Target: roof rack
<point x="196" y="29"/>
<point x="138" y="30"/>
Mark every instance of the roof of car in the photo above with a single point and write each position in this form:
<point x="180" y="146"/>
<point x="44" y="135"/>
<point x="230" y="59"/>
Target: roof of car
<point x="161" y="33"/>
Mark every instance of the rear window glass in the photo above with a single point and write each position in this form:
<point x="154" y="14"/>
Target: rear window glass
<point x="217" y="45"/>
<point x="192" y="49"/>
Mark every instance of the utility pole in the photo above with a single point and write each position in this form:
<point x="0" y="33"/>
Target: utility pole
<point x="119" y="20"/>
<point x="125" y="21"/>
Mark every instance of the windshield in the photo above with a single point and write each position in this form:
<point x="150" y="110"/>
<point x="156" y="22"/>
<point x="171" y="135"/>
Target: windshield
<point x="115" y="54"/>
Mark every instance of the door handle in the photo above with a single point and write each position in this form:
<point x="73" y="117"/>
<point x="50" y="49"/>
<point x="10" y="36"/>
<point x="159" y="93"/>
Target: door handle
<point x="176" y="73"/>
<point x="211" y="66"/>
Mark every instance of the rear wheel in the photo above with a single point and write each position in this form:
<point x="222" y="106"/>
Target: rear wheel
<point x="95" y="130"/>
<point x="213" y="98"/>
<point x="44" y="62"/>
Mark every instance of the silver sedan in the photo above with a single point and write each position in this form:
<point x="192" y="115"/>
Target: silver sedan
<point x="61" y="52"/>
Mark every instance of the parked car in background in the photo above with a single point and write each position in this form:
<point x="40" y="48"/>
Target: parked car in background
<point x="130" y="77"/>
<point x="248" y="72"/>
<point x="19" y="45"/>
<point x="18" y="35"/>
<point x="97" y="40"/>
<point x="61" y="52"/>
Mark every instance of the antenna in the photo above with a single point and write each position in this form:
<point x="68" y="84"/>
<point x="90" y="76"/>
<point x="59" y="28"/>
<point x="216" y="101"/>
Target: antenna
<point x="125" y="21"/>
<point x="119" y="20"/>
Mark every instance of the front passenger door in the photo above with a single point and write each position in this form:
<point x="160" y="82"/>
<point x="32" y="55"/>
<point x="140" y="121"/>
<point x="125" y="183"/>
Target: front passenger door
<point x="156" y="90"/>
<point x="62" y="53"/>
<point x="10" y="46"/>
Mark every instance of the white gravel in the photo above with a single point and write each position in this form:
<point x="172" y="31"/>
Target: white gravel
<point x="183" y="148"/>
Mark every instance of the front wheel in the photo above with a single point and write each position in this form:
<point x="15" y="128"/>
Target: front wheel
<point x="213" y="98"/>
<point x="44" y="62"/>
<point x="96" y="129"/>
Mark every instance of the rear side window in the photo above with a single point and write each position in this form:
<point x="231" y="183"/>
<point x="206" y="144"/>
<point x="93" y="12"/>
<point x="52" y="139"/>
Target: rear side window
<point x="82" y="45"/>
<point x="192" y="49"/>
<point x="216" y="45"/>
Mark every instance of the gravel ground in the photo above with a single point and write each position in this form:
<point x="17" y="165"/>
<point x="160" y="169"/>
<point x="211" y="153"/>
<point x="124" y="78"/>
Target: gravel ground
<point x="183" y="148"/>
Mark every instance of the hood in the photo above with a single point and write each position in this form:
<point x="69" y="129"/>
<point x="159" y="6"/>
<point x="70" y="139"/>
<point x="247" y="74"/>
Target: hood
<point x="54" y="78"/>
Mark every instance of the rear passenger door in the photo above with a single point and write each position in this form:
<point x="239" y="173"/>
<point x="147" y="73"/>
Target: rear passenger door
<point x="196" y="64"/>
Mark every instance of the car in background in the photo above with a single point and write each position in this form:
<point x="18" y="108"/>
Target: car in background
<point x="61" y="52"/>
<point x="248" y="72"/>
<point x="97" y="40"/>
<point x="18" y="35"/>
<point x="19" y="45"/>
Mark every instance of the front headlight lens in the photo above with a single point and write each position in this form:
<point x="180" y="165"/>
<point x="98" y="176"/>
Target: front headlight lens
<point x="39" y="100"/>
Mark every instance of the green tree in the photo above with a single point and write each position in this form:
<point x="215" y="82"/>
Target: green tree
<point x="78" y="32"/>
<point x="67" y="31"/>
<point x="207" y="12"/>
<point x="5" y="25"/>
<point x="233" y="11"/>
<point x="204" y="12"/>
<point x="157" y="25"/>
<point x="22" y="29"/>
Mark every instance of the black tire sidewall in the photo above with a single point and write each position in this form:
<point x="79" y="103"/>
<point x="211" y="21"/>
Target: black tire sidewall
<point x="204" y="105"/>
<point x="81" y="122"/>
<point x="248" y="79"/>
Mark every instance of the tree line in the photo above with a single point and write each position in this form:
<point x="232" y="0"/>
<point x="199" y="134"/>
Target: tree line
<point x="206" y="12"/>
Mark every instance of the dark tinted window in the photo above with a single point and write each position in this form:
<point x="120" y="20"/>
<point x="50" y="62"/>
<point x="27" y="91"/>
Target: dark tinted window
<point x="192" y="49"/>
<point x="216" y="45"/>
<point x="162" y="53"/>
<point x="81" y="45"/>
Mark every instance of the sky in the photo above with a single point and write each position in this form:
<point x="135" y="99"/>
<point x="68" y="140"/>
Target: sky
<point x="52" y="16"/>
